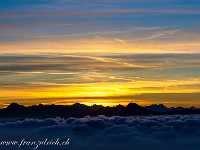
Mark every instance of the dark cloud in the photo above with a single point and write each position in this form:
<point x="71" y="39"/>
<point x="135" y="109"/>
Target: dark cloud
<point x="141" y="132"/>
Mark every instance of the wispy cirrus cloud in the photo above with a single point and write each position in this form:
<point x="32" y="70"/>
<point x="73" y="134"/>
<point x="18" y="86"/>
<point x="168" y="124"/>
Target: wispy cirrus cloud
<point x="127" y="41"/>
<point x="119" y="78"/>
<point x="98" y="13"/>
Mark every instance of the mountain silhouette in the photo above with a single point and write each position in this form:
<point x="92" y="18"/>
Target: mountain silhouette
<point x="135" y="109"/>
<point x="158" y="108"/>
<point x="15" y="107"/>
<point x="81" y="110"/>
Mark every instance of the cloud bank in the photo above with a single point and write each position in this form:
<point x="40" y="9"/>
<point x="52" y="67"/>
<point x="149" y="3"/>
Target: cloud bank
<point x="138" y="133"/>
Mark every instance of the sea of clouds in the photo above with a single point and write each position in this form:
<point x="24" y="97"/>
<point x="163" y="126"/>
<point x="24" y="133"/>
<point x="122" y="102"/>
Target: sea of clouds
<point x="171" y="132"/>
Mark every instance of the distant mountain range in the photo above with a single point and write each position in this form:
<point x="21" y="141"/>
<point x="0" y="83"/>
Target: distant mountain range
<point x="162" y="108"/>
<point x="81" y="110"/>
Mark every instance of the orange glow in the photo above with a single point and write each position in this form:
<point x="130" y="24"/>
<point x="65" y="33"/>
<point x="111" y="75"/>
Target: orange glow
<point x="95" y="93"/>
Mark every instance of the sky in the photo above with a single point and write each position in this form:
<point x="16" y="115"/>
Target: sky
<point x="100" y="52"/>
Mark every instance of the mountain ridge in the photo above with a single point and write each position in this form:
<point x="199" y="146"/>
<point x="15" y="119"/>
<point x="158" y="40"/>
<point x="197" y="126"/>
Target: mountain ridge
<point x="81" y="110"/>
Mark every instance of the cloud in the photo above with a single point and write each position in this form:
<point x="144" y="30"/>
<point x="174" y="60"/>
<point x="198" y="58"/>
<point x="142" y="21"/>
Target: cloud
<point x="75" y="63"/>
<point x="94" y="13"/>
<point x="136" y="132"/>
<point x="35" y="26"/>
<point x="48" y="77"/>
<point x="86" y="40"/>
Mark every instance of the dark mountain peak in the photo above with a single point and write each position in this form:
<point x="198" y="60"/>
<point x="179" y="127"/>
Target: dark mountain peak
<point x="96" y="106"/>
<point x="157" y="107"/>
<point x="79" y="105"/>
<point x="40" y="105"/>
<point x="135" y="109"/>
<point x="120" y="106"/>
<point x="132" y="106"/>
<point x="76" y="104"/>
<point x="179" y="107"/>
<point x="14" y="106"/>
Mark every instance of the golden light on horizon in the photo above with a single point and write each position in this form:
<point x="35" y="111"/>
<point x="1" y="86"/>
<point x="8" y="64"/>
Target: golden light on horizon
<point x="96" y="93"/>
